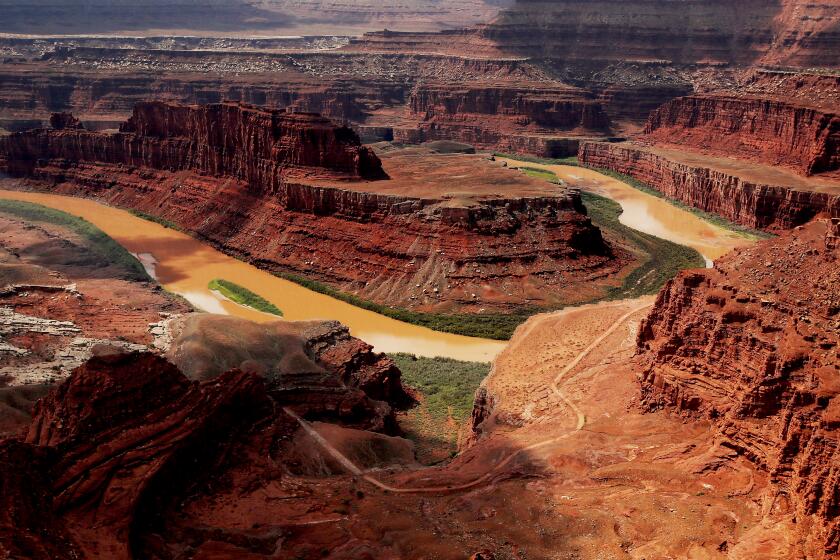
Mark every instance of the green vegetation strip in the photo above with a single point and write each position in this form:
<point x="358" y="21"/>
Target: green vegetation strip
<point x="714" y="219"/>
<point x="446" y="391"/>
<point x="448" y="386"/>
<point x="665" y="259"/>
<point x="243" y="296"/>
<point x="544" y="174"/>
<point x="97" y="240"/>
<point x="495" y="326"/>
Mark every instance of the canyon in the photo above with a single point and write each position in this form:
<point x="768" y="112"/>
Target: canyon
<point x="400" y="231"/>
<point x="736" y="450"/>
<point x="393" y="156"/>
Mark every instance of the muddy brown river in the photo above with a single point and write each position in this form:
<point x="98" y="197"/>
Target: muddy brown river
<point x="650" y="214"/>
<point x="185" y="266"/>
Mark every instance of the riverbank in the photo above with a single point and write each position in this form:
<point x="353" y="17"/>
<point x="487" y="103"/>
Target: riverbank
<point x="186" y="266"/>
<point x="649" y="214"/>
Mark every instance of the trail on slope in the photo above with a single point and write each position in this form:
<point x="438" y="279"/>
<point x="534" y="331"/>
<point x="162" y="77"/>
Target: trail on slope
<point x="555" y="387"/>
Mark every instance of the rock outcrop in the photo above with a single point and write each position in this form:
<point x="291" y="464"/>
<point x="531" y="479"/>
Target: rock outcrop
<point x="762" y="198"/>
<point x="798" y="33"/>
<point x="123" y="428"/>
<point x="315" y="367"/>
<point x="128" y="435"/>
<point x="752" y="345"/>
<point x="767" y="130"/>
<point x="252" y="145"/>
<point x="469" y="236"/>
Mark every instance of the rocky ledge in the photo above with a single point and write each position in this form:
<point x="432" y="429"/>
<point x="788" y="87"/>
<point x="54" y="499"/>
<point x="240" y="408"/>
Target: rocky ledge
<point x="443" y="233"/>
<point x="750" y="194"/>
<point x="127" y="437"/>
<point x="752" y="345"/>
<point x="256" y="146"/>
<point x="767" y="130"/>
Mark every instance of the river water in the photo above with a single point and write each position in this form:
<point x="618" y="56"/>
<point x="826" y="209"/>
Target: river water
<point x="650" y="214"/>
<point x="185" y="266"/>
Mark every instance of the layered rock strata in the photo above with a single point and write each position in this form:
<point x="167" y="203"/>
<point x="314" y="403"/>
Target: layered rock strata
<point x="249" y="144"/>
<point x="771" y="131"/>
<point x="797" y="33"/>
<point x="489" y="238"/>
<point x="128" y="437"/>
<point x="758" y="197"/>
<point x="752" y="346"/>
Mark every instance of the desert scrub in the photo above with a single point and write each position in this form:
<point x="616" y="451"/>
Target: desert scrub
<point x="538" y="173"/>
<point x="446" y="390"/>
<point x="97" y="240"/>
<point x="243" y="296"/>
<point x="714" y="219"/>
<point x="664" y="260"/>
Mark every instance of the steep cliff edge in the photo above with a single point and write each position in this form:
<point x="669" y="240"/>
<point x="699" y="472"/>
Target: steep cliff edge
<point x="768" y="130"/>
<point x="444" y="233"/>
<point x="754" y="195"/>
<point x="796" y="33"/>
<point x="253" y="145"/>
<point x="752" y="345"/>
<point x="128" y="438"/>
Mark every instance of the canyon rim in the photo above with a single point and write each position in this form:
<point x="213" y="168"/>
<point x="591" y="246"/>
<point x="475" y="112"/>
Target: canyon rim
<point x="365" y="279"/>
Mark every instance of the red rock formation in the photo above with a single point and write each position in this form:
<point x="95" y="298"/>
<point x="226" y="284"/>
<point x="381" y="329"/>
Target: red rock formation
<point x="770" y="131"/>
<point x="469" y="241"/>
<point x="315" y="367"/>
<point x="760" y="198"/>
<point x="542" y="108"/>
<point x="752" y="345"/>
<point x="256" y="146"/>
<point x="28" y="526"/>
<point x="799" y="33"/>
<point x="123" y="424"/>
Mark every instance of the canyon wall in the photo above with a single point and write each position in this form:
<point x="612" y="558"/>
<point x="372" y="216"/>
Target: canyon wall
<point x="253" y="145"/>
<point x="752" y="345"/>
<point x="128" y="436"/>
<point x="721" y="189"/>
<point x="770" y="131"/>
<point x="544" y="107"/>
<point x="795" y="33"/>
<point x="533" y="245"/>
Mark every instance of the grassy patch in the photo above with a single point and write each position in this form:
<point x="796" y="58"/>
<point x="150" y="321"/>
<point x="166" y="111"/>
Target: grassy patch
<point x="160" y="221"/>
<point x="243" y="296"/>
<point x="447" y="388"/>
<point x="715" y="219"/>
<point x="571" y="160"/>
<point x="538" y="173"/>
<point x="97" y="240"/>
<point x="495" y="326"/>
<point x="665" y="258"/>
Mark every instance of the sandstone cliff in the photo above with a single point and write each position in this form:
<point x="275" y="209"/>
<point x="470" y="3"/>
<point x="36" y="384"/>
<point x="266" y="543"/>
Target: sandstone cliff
<point x="128" y="437"/>
<point x="124" y="428"/>
<point x="752" y="345"/>
<point x="799" y="33"/>
<point x="252" y="145"/>
<point x="430" y="238"/>
<point x="767" y="130"/>
<point x="762" y="198"/>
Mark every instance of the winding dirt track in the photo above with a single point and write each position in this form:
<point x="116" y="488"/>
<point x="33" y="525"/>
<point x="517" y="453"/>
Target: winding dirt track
<point x="555" y="386"/>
